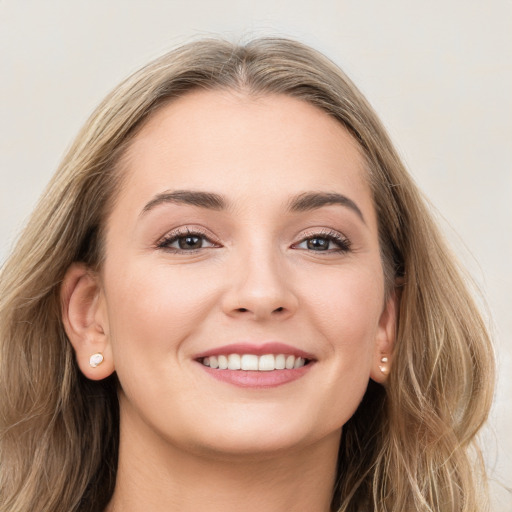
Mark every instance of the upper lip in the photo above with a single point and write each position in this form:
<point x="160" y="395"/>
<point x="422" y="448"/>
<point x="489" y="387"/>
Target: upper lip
<point x="258" y="349"/>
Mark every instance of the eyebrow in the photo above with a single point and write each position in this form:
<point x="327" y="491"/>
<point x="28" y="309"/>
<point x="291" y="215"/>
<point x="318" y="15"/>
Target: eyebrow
<point x="304" y="202"/>
<point x="314" y="200"/>
<point x="206" y="200"/>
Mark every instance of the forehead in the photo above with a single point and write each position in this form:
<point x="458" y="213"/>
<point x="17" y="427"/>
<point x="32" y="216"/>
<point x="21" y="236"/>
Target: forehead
<point x="234" y="143"/>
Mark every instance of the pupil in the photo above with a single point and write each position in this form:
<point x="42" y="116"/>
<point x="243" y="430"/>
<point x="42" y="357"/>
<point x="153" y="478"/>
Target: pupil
<point x="190" y="242"/>
<point x="318" y="244"/>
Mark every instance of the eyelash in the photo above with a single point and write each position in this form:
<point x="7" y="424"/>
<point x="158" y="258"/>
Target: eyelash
<point x="343" y="243"/>
<point x="176" y="235"/>
<point x="165" y="243"/>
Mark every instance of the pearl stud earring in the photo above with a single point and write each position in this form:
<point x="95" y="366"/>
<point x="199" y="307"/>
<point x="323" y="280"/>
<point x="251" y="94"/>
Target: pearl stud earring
<point x="96" y="359"/>
<point x="383" y="367"/>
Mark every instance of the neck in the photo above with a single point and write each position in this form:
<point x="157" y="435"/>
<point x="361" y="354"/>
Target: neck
<point x="168" y="478"/>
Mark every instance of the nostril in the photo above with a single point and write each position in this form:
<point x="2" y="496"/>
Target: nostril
<point x="245" y="310"/>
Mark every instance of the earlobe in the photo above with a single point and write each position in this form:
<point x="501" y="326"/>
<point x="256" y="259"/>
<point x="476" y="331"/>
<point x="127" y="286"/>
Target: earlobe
<point x="85" y="321"/>
<point x="384" y="344"/>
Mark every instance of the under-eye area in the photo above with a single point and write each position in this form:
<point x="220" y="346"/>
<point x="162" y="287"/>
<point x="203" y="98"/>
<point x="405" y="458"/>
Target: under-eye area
<point x="252" y="362"/>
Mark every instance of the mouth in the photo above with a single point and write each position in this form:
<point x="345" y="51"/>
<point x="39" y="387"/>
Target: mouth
<point x="253" y="362"/>
<point x="256" y="365"/>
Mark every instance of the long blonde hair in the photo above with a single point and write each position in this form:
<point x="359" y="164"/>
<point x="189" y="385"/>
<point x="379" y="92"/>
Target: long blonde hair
<point x="409" y="446"/>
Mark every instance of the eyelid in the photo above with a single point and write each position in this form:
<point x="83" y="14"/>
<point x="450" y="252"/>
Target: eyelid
<point x="342" y="241"/>
<point x="182" y="231"/>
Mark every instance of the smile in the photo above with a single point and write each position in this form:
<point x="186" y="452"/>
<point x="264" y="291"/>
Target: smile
<point x="256" y="365"/>
<point x="252" y="362"/>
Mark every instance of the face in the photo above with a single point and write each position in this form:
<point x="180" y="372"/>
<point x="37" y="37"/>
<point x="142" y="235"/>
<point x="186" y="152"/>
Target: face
<point x="244" y="235"/>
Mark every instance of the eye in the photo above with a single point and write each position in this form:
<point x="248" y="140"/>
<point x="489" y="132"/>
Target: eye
<point x="185" y="241"/>
<point x="331" y="241"/>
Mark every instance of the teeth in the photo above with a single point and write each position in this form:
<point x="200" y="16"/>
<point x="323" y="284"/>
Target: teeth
<point x="233" y="362"/>
<point x="251" y="362"/>
<point x="267" y="363"/>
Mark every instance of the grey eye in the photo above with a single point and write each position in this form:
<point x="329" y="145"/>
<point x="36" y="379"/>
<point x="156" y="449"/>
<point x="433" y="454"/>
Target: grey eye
<point x="185" y="242"/>
<point x="329" y="242"/>
<point x="318" y="244"/>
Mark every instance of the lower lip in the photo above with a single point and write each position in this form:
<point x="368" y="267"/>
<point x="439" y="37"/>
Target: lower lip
<point x="257" y="379"/>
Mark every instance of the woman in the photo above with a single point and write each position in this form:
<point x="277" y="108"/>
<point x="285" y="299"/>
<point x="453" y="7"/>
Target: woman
<point x="233" y="295"/>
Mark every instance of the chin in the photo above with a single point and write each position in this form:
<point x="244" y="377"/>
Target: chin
<point x="256" y="438"/>
<point x="255" y="447"/>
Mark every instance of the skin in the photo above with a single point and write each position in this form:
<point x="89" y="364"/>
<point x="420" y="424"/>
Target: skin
<point x="188" y="441"/>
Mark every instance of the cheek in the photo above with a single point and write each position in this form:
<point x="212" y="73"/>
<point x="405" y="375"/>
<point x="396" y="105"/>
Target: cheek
<point x="341" y="312"/>
<point x="347" y="305"/>
<point x="152" y="308"/>
<point x="346" y="309"/>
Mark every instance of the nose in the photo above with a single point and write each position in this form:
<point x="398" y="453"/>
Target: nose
<point x="260" y="288"/>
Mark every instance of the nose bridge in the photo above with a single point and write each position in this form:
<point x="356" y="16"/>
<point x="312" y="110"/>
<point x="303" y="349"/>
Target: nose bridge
<point x="259" y="286"/>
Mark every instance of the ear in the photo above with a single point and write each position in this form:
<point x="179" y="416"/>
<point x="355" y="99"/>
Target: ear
<point x="385" y="340"/>
<point x="85" y="319"/>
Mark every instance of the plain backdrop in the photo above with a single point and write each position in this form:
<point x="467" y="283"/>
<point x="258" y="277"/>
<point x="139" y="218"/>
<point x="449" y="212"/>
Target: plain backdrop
<point x="439" y="74"/>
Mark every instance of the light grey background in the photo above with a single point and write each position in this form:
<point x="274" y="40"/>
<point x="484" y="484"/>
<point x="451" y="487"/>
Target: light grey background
<point x="439" y="73"/>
